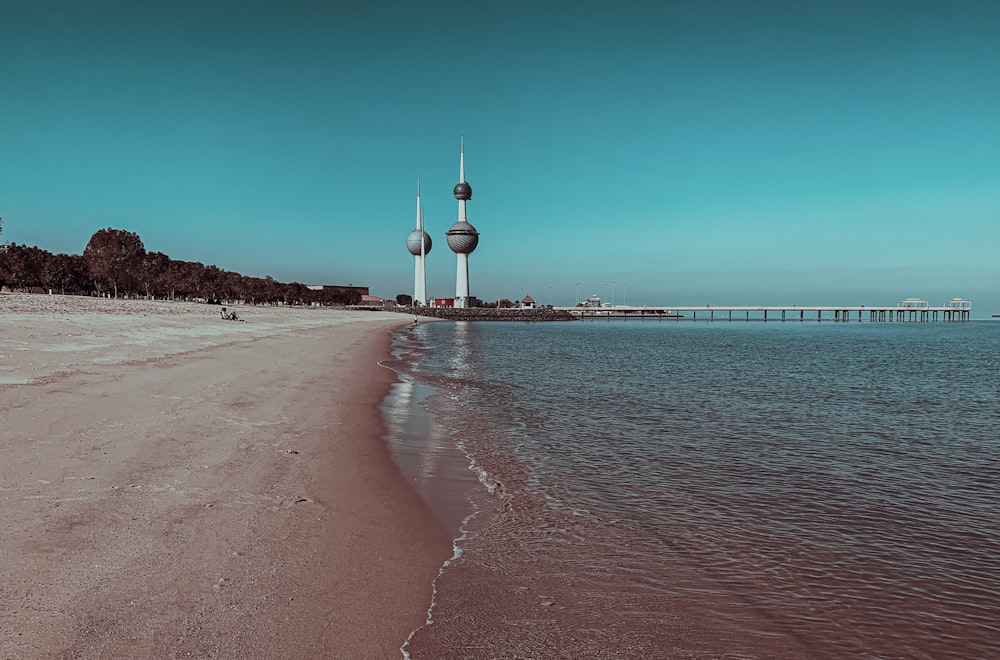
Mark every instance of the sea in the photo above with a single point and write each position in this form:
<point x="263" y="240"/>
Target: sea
<point x="679" y="489"/>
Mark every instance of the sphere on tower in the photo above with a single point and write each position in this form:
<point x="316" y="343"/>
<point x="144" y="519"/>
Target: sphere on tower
<point x="413" y="242"/>
<point x="462" y="237"/>
<point x="463" y="191"/>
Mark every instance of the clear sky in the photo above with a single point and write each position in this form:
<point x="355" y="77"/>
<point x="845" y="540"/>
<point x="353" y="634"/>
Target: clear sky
<point x="693" y="152"/>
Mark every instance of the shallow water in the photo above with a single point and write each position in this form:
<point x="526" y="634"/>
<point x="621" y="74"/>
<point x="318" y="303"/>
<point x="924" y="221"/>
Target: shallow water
<point x="664" y="489"/>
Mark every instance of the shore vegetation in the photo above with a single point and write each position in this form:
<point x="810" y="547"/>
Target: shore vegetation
<point x="115" y="264"/>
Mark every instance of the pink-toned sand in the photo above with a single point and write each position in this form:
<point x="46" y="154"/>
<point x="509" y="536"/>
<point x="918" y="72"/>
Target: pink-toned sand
<point x="176" y="485"/>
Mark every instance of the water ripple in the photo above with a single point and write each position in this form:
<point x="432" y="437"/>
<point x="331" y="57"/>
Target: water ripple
<point x="830" y="487"/>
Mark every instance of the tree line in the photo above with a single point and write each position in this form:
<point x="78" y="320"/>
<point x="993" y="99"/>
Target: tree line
<point x="116" y="263"/>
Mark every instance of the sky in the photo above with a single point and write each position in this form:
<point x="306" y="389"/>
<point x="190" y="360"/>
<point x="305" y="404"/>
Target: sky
<point x="661" y="153"/>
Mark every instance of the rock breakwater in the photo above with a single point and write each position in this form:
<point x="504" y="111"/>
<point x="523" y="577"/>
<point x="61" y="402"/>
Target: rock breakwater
<point x="489" y="314"/>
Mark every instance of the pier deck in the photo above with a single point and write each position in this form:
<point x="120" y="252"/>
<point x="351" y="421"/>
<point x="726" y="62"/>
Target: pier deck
<point x="800" y="313"/>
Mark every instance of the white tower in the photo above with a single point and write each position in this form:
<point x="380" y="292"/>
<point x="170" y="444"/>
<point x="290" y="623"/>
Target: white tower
<point x="418" y="243"/>
<point x="462" y="237"/>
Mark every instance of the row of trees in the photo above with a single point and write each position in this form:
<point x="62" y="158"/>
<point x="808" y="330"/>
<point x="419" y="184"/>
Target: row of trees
<point x="115" y="262"/>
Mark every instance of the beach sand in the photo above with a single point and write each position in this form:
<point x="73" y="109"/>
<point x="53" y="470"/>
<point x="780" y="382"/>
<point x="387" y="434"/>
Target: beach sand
<point x="176" y="485"/>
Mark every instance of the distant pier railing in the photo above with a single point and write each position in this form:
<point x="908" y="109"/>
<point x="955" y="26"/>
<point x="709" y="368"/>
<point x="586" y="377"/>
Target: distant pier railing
<point x="838" y="314"/>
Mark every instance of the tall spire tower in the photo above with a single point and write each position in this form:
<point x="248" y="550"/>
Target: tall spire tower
<point x="462" y="237"/>
<point x="418" y="243"/>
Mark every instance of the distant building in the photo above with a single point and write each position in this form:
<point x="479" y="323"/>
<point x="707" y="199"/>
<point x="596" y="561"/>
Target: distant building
<point x="374" y="301"/>
<point x="362" y="290"/>
<point x="528" y="303"/>
<point x="913" y="303"/>
<point x="444" y="302"/>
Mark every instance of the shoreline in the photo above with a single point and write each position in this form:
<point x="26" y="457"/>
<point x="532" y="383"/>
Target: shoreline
<point x="425" y="450"/>
<point x="175" y="484"/>
<point x="529" y="558"/>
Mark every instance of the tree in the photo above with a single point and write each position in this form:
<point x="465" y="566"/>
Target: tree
<point x="182" y="278"/>
<point x="152" y="273"/>
<point x="231" y="287"/>
<point x="351" y="297"/>
<point x="272" y="290"/>
<point x="113" y="256"/>
<point x="210" y="281"/>
<point x="64" y="271"/>
<point x="252" y="289"/>
<point x="3" y="266"/>
<point x="22" y="266"/>
<point x="295" y="293"/>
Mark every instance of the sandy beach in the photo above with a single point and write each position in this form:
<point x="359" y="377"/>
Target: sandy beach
<point x="176" y="485"/>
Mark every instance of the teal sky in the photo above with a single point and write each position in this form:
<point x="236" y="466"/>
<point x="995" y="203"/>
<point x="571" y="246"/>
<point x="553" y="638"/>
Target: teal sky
<point x="744" y="152"/>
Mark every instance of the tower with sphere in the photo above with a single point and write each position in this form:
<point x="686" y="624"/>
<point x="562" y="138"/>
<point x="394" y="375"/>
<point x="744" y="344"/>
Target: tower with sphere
<point x="418" y="243"/>
<point x="462" y="237"/>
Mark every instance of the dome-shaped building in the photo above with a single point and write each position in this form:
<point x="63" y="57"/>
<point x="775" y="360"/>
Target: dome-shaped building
<point x="413" y="243"/>
<point x="462" y="237"/>
<point x="463" y="191"/>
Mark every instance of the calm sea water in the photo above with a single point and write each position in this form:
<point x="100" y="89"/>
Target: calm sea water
<point x="672" y="490"/>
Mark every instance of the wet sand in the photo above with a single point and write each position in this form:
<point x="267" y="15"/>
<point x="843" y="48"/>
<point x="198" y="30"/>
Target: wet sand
<point x="175" y="485"/>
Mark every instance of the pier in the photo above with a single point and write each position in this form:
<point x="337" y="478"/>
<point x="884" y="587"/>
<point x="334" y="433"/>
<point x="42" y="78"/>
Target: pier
<point x="908" y="311"/>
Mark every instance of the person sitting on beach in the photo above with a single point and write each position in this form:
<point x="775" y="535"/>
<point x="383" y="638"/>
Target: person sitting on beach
<point x="230" y="316"/>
